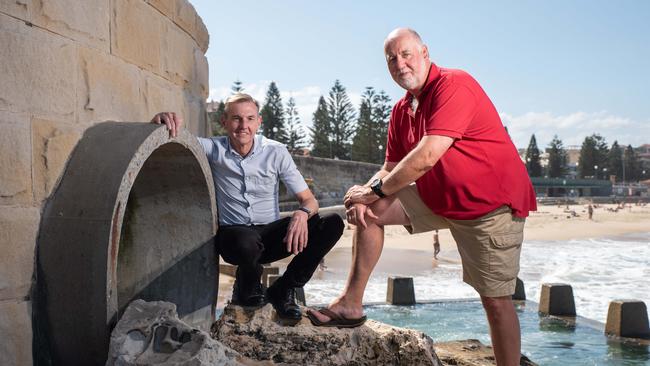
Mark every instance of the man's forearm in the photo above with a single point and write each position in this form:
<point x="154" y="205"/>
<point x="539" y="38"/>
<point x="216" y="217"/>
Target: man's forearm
<point x="419" y="161"/>
<point x="379" y="175"/>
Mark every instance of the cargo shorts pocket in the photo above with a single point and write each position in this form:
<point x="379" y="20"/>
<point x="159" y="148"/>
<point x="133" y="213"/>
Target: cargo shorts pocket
<point x="505" y="250"/>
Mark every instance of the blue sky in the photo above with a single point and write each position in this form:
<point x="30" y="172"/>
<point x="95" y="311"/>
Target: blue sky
<point x="569" y="68"/>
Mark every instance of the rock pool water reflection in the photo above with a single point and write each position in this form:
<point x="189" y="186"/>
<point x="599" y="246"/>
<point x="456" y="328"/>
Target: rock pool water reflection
<point x="545" y="340"/>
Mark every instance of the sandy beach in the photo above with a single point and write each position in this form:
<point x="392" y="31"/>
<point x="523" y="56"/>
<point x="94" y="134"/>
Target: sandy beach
<point x="406" y="254"/>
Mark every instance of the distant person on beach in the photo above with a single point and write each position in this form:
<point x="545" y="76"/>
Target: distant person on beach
<point x="450" y="164"/>
<point x="436" y="245"/>
<point x="247" y="169"/>
<point x="590" y="211"/>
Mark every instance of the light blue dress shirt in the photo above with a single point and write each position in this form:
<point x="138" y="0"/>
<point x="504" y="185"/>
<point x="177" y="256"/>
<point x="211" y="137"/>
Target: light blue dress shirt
<point x="247" y="187"/>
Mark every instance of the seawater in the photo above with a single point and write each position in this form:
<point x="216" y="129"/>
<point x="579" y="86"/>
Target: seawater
<point x="599" y="270"/>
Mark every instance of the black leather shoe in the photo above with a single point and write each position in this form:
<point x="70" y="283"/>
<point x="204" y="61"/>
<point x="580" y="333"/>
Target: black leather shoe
<point x="255" y="298"/>
<point x="284" y="302"/>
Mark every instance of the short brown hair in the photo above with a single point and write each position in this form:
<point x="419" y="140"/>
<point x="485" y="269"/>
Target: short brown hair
<point x="240" y="98"/>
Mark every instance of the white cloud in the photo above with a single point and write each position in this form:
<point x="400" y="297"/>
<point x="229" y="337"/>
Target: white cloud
<point x="573" y="128"/>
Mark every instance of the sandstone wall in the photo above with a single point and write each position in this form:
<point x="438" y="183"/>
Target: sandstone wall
<point x="329" y="179"/>
<point x="66" y="65"/>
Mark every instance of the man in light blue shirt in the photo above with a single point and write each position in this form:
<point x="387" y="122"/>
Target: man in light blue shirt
<point x="247" y="169"/>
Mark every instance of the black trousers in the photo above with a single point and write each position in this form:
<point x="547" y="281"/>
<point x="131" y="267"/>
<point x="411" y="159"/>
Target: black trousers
<point x="250" y="246"/>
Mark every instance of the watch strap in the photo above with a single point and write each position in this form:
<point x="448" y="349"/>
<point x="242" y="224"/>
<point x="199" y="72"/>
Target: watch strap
<point x="376" y="187"/>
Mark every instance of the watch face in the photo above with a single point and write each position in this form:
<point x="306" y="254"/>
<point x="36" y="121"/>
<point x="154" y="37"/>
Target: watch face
<point x="376" y="187"/>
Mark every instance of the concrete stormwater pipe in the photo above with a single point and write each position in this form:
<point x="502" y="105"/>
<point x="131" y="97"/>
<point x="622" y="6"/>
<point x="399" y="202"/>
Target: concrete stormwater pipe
<point x="134" y="216"/>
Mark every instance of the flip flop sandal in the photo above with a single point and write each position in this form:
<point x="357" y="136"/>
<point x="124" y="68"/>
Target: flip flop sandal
<point x="335" y="320"/>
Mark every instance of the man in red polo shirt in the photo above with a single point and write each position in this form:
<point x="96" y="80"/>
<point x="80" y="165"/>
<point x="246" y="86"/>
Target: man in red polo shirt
<point x="446" y="136"/>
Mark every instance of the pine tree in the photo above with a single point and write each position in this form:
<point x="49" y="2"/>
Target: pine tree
<point x="364" y="146"/>
<point x="615" y="161"/>
<point x="320" y="131"/>
<point x="601" y="156"/>
<point x="369" y="139"/>
<point x="296" y="134"/>
<point x="533" y="164"/>
<point x="557" y="158"/>
<point x="341" y="117"/>
<point x="381" y="115"/>
<point x="215" y="120"/>
<point x="593" y="157"/>
<point x="631" y="164"/>
<point x="588" y="158"/>
<point x="237" y="87"/>
<point x="273" y="115"/>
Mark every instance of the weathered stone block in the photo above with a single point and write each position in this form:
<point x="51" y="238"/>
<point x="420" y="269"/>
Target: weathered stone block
<point x="47" y="85"/>
<point x="16" y="330"/>
<point x="52" y="143"/>
<point x="18" y="230"/>
<point x="167" y="7"/>
<point x="136" y="30"/>
<point x="200" y="81"/>
<point x="86" y="21"/>
<point x="162" y="96"/>
<point x="557" y="299"/>
<point x="400" y="291"/>
<point x="16" y="8"/>
<point x="185" y="16"/>
<point x="627" y="318"/>
<point x="15" y="159"/>
<point x="177" y="55"/>
<point x="202" y="36"/>
<point x="108" y="90"/>
<point x="196" y="116"/>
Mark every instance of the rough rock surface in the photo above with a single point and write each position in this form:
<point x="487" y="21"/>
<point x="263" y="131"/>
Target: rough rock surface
<point x="150" y="333"/>
<point x="260" y="336"/>
<point x="470" y="352"/>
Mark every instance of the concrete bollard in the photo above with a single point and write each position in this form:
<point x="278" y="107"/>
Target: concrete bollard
<point x="270" y="279"/>
<point x="520" y="291"/>
<point x="228" y="269"/>
<point x="400" y="291"/>
<point x="627" y="318"/>
<point x="269" y="270"/>
<point x="557" y="299"/>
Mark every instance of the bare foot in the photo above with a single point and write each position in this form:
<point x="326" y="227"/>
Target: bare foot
<point x="339" y="306"/>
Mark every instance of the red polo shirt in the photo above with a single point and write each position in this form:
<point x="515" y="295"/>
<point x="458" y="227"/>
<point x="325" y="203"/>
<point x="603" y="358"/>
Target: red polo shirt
<point x="482" y="170"/>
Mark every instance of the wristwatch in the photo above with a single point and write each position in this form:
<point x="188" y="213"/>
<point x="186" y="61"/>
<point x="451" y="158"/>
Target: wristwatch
<point x="305" y="210"/>
<point x="376" y="187"/>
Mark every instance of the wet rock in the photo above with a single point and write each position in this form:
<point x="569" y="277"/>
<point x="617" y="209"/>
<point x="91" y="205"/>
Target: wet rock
<point x="258" y="334"/>
<point x="150" y="333"/>
<point x="470" y="352"/>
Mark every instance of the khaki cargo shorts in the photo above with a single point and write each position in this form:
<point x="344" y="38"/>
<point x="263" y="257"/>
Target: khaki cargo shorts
<point x="489" y="246"/>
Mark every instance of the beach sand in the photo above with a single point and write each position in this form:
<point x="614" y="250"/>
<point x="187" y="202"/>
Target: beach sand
<point x="407" y="255"/>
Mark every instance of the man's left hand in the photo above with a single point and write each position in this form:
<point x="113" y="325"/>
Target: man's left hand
<point x="359" y="194"/>
<point x="297" y="232"/>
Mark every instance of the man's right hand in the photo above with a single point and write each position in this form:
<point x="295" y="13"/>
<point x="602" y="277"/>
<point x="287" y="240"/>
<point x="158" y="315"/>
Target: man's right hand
<point x="356" y="214"/>
<point x="173" y="122"/>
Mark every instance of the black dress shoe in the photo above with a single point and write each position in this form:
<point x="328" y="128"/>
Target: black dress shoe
<point x="284" y="302"/>
<point x="255" y="298"/>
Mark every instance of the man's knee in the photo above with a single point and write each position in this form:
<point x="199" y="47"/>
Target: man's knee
<point x="333" y="223"/>
<point x="239" y="244"/>
<point x="497" y="306"/>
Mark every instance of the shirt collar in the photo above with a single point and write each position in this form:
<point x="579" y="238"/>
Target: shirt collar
<point x="434" y="74"/>
<point x="258" y="140"/>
